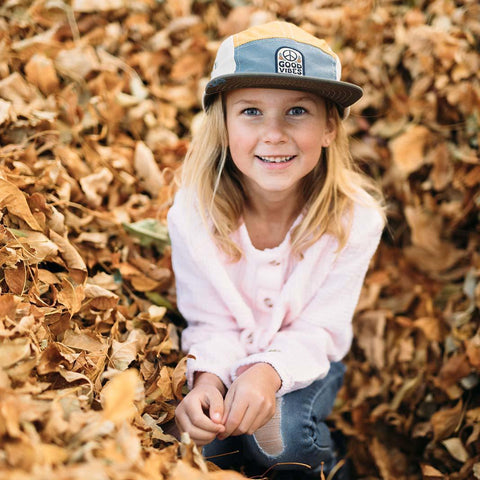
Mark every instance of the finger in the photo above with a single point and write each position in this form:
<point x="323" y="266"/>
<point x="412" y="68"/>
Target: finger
<point x="251" y="422"/>
<point x="204" y="422"/>
<point x="198" y="435"/>
<point x="216" y="409"/>
<point x="235" y="417"/>
<point x="201" y="437"/>
<point x="193" y="415"/>
<point x="227" y="405"/>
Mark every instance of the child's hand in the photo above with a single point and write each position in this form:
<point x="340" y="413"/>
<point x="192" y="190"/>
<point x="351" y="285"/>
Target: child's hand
<point x="250" y="401"/>
<point x="200" y="412"/>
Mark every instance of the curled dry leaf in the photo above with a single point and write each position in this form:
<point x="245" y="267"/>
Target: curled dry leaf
<point x="15" y="202"/>
<point x="125" y="352"/>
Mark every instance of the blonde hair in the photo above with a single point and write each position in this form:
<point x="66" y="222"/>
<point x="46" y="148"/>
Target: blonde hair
<point x="212" y="181"/>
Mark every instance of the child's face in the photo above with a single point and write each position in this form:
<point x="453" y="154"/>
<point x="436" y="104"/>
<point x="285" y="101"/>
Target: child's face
<point x="276" y="136"/>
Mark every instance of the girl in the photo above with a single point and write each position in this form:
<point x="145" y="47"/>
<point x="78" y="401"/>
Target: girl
<point x="272" y="233"/>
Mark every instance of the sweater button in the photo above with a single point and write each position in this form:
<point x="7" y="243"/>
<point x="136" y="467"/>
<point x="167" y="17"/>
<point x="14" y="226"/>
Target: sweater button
<point x="275" y="263"/>
<point x="268" y="302"/>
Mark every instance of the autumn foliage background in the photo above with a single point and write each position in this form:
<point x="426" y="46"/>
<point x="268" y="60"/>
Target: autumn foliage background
<point x="97" y="102"/>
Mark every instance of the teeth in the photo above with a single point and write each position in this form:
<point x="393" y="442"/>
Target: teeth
<point x="275" y="159"/>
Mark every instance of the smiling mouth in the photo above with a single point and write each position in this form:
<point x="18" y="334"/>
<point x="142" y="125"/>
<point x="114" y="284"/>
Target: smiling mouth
<point x="276" y="159"/>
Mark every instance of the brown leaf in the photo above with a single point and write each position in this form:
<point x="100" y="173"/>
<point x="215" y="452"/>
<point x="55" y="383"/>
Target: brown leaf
<point x="442" y="172"/>
<point x="446" y="421"/>
<point x="164" y="391"/>
<point x="182" y="471"/>
<point x="408" y="149"/>
<point x="391" y="463"/>
<point x="473" y="351"/>
<point x="433" y="328"/>
<point x="370" y="329"/>
<point x="147" y="169"/>
<point x="6" y="112"/>
<point x="431" y="473"/>
<point x="55" y="357"/>
<point x="7" y="306"/>
<point x="96" y="185"/>
<point x="18" y="91"/>
<point x="453" y="370"/>
<point x="14" y="351"/>
<point x="71" y="296"/>
<point x="100" y="298"/>
<point x="16" y="278"/>
<point x="85" y="340"/>
<point x="37" y="247"/>
<point x="93" y="6"/>
<point x="456" y="449"/>
<point x="71" y="257"/>
<point x="78" y="62"/>
<point x="124" y="353"/>
<point x="179" y="378"/>
<point x="21" y="454"/>
<point x="41" y="72"/>
<point x="14" y="201"/>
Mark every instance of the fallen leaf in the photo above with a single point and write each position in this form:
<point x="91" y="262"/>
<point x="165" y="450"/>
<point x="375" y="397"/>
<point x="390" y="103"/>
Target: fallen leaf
<point x="124" y="353"/>
<point x="408" y="149"/>
<point x="148" y="172"/>
<point x="14" y="201"/>
<point x="456" y="449"/>
<point x="446" y="421"/>
<point x="119" y="396"/>
<point x="41" y="72"/>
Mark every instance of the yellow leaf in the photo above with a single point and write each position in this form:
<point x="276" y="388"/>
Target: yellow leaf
<point x="119" y="395"/>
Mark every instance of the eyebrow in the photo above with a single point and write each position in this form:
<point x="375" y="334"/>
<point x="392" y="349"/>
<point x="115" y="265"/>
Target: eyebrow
<point x="302" y="98"/>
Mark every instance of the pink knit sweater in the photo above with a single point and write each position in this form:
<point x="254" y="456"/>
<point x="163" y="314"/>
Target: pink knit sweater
<point x="268" y="307"/>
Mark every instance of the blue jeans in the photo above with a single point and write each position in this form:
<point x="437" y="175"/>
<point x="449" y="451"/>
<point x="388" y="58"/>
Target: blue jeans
<point x="305" y="436"/>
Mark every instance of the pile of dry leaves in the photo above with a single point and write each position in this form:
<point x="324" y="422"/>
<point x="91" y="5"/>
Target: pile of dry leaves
<point x="97" y="99"/>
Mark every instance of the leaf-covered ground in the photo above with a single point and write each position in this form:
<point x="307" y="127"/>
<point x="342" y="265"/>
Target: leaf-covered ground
<point x="97" y="101"/>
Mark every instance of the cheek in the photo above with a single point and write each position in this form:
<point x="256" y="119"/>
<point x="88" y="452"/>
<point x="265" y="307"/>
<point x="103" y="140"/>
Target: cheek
<point x="240" y="140"/>
<point x="313" y="144"/>
<point x="235" y="152"/>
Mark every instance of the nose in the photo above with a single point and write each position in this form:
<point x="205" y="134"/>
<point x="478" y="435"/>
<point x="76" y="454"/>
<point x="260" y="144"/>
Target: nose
<point x="274" y="130"/>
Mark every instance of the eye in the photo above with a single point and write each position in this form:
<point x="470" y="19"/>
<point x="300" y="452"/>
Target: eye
<point x="297" y="111"/>
<point x="251" y="111"/>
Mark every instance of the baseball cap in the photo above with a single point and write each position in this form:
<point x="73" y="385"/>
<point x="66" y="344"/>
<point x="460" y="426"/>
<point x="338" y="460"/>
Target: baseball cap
<point x="279" y="55"/>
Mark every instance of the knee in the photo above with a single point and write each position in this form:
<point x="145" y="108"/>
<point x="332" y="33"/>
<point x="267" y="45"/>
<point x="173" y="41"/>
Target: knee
<point x="269" y="438"/>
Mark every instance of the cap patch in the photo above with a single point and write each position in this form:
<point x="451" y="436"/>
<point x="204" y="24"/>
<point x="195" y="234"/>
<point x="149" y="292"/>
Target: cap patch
<point x="290" y="61"/>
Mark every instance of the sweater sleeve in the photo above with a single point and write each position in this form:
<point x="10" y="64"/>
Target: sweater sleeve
<point x="212" y="336"/>
<point x="302" y="351"/>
